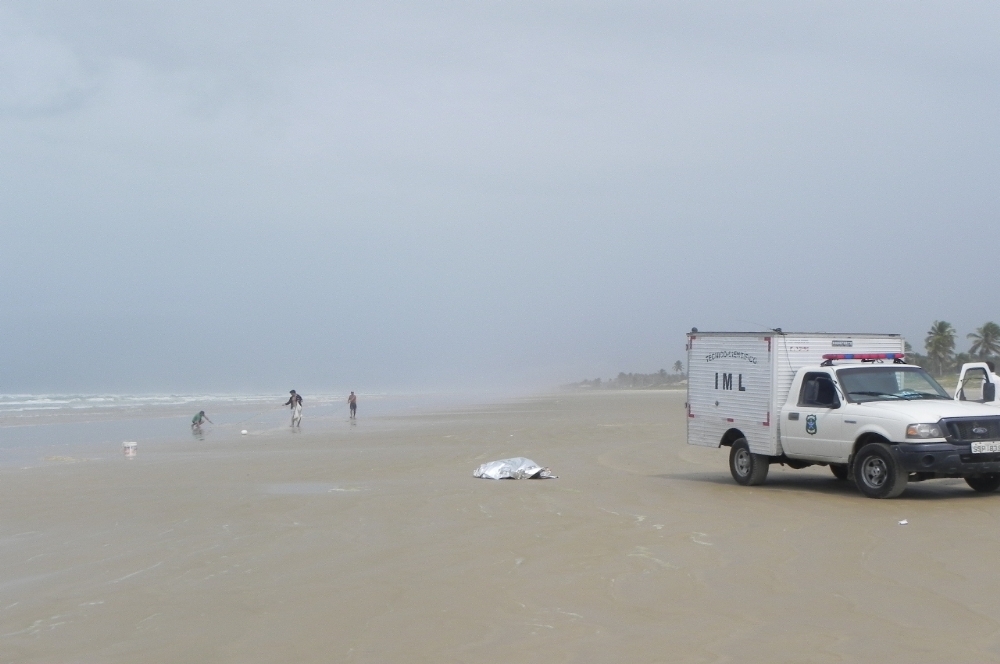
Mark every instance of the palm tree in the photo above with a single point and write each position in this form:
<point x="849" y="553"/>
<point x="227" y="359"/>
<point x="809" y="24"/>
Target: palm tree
<point x="940" y="344"/>
<point x="985" y="340"/>
<point x="678" y="367"/>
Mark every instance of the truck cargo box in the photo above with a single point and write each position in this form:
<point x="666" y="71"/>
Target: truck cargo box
<point x="740" y="380"/>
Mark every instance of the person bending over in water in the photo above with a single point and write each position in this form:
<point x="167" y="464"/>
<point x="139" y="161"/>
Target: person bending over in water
<point x="353" y="401"/>
<point x="295" y="401"/>
<point x="198" y="419"/>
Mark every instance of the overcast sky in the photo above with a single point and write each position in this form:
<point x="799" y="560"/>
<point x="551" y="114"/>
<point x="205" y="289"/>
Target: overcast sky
<point x="248" y="195"/>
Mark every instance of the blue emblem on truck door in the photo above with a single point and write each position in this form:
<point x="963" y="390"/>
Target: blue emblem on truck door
<point x="811" y="425"/>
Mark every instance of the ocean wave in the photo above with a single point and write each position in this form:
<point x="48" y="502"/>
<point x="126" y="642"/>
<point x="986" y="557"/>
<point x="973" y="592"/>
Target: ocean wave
<point x="48" y="403"/>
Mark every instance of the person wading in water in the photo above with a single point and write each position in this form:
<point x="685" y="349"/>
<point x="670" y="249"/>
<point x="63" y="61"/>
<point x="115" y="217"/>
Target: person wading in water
<point x="353" y="401"/>
<point x="295" y="401"/>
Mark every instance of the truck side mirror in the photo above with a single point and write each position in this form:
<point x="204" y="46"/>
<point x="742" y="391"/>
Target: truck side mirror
<point x="989" y="392"/>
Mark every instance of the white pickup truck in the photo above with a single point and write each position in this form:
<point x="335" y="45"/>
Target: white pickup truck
<point x="846" y="401"/>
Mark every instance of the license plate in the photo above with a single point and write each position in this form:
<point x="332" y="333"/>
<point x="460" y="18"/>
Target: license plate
<point x="991" y="447"/>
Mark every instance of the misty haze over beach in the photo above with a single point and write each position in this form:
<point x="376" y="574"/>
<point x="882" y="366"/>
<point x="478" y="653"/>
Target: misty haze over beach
<point x="254" y="196"/>
<point x="448" y="210"/>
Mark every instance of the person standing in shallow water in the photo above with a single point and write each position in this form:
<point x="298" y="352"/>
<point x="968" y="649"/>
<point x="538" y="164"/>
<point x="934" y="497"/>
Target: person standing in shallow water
<point x="295" y="401"/>
<point x="353" y="402"/>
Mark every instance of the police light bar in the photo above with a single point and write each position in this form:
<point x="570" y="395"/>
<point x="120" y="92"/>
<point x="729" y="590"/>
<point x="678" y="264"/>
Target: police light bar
<point x="897" y="358"/>
<point x="863" y="356"/>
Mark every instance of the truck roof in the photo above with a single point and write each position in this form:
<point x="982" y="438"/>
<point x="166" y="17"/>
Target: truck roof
<point x="848" y="364"/>
<point x="856" y="335"/>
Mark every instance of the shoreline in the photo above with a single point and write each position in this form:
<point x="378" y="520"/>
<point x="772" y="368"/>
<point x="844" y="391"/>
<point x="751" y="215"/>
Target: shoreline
<point x="26" y="438"/>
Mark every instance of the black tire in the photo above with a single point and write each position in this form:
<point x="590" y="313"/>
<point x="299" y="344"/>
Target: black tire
<point x="876" y="472"/>
<point x="987" y="483"/>
<point x="839" y="471"/>
<point x="748" y="469"/>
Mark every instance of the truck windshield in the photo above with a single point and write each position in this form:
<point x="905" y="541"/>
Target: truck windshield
<point x="879" y="383"/>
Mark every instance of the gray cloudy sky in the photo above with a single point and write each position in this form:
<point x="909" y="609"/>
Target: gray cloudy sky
<point x="254" y="195"/>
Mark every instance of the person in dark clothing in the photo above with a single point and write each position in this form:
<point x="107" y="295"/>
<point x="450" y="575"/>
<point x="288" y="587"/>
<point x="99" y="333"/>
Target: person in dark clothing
<point x="295" y="401"/>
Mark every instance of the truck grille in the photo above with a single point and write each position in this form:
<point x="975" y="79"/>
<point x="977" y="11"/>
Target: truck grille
<point x="966" y="429"/>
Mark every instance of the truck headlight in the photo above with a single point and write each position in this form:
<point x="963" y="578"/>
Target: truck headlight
<point x="924" y="431"/>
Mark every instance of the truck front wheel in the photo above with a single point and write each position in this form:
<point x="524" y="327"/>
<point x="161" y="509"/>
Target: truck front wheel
<point x="748" y="469"/>
<point x="839" y="471"/>
<point x="876" y="472"/>
<point x="984" y="483"/>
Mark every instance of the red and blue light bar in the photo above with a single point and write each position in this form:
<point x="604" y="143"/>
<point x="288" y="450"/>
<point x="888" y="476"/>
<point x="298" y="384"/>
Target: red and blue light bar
<point x="863" y="356"/>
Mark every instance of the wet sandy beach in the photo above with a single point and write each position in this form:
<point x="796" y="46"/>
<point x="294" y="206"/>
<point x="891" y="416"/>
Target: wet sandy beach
<point x="374" y="543"/>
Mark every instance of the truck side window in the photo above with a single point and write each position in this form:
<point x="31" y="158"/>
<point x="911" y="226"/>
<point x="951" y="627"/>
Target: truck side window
<point x="818" y="390"/>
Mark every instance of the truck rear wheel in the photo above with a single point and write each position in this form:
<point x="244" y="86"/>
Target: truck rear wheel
<point x="876" y="472"/>
<point x="839" y="471"/>
<point x="748" y="469"/>
<point x="984" y="483"/>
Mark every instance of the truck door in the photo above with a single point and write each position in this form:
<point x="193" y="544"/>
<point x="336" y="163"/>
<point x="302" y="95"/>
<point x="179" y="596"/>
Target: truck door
<point x="812" y="427"/>
<point x="973" y="383"/>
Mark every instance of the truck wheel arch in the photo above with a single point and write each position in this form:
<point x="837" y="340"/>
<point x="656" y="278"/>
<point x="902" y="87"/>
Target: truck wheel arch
<point x="730" y="437"/>
<point x="864" y="439"/>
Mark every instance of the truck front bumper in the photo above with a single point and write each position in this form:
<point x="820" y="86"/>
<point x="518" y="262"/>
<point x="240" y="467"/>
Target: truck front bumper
<point x="944" y="459"/>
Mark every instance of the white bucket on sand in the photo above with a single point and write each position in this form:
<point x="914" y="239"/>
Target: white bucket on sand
<point x="130" y="448"/>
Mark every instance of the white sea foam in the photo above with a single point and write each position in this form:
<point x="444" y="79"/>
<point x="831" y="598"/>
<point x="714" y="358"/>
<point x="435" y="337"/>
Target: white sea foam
<point x="28" y="403"/>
